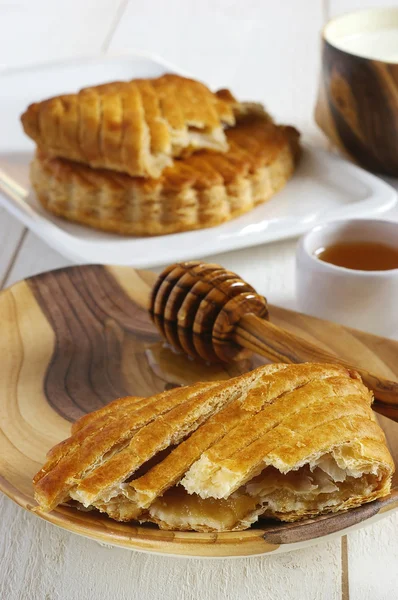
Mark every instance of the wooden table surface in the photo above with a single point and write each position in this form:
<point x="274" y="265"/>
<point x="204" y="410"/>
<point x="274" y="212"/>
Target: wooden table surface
<point x="264" y="50"/>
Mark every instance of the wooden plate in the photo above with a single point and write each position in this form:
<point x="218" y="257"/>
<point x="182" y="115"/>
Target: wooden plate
<point x="73" y="339"/>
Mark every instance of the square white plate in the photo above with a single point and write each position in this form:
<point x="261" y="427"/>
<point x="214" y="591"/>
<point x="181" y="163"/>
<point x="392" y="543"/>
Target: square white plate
<point x="324" y="187"/>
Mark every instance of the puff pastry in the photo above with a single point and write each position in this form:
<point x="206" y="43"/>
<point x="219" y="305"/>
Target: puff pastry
<point x="202" y="190"/>
<point x="134" y="127"/>
<point x="283" y="441"/>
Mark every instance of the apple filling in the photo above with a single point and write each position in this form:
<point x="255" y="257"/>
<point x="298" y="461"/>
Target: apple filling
<point x="312" y="489"/>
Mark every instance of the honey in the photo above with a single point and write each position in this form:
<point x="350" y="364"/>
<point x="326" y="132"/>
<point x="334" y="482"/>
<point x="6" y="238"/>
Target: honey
<point x="363" y="256"/>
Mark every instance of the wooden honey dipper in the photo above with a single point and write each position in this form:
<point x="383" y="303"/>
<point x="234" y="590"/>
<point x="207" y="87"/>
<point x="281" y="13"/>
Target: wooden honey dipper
<point x="211" y="313"/>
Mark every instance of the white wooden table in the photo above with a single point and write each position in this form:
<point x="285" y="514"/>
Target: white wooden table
<point x="264" y="50"/>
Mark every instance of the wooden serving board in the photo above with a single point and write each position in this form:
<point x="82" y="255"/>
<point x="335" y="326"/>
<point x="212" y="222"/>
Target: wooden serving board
<point x="74" y="339"/>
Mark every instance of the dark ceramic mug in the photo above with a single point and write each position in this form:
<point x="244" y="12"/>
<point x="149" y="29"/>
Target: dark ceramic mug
<point x="357" y="106"/>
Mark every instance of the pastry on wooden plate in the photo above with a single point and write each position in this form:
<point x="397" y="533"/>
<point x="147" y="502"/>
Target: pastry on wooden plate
<point x="134" y="127"/>
<point x="283" y="442"/>
<point x="202" y="190"/>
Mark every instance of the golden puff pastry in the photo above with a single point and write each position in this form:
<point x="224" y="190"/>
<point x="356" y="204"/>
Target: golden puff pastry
<point x="134" y="127"/>
<point x="283" y="442"/>
<point x="201" y="190"/>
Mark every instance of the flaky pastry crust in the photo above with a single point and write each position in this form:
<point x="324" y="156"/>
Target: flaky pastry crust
<point x="134" y="127"/>
<point x="283" y="441"/>
<point x="199" y="191"/>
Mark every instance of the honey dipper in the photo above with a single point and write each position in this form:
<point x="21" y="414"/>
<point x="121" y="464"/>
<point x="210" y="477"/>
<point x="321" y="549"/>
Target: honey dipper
<point x="211" y="313"/>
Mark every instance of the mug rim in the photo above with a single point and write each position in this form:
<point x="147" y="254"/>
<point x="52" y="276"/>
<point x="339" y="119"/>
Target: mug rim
<point x="355" y="13"/>
<point x="340" y="223"/>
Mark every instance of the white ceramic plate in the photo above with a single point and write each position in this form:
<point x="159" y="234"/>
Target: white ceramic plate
<point x="324" y="187"/>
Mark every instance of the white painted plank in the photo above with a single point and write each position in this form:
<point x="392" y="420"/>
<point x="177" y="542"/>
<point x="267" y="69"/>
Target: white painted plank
<point x="373" y="561"/>
<point x="10" y="236"/>
<point x="34" y="31"/>
<point x="34" y="257"/>
<point x="55" y="564"/>
<point x="267" y="52"/>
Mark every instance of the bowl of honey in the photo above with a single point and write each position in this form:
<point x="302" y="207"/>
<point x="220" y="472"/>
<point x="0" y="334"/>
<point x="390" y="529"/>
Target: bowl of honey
<point x="347" y="272"/>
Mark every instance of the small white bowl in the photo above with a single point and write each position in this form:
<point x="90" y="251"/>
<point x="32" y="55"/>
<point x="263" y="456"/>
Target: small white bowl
<point x="364" y="300"/>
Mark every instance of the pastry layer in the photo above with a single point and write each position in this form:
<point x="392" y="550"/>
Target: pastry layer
<point x="133" y="127"/>
<point x="202" y="190"/>
<point x="283" y="441"/>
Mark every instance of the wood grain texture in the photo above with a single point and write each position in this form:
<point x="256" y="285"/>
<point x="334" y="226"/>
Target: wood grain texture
<point x="97" y="341"/>
<point x="357" y="108"/>
<point x="196" y="305"/>
<point x="280" y="345"/>
<point x="210" y="313"/>
<point x="41" y="561"/>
